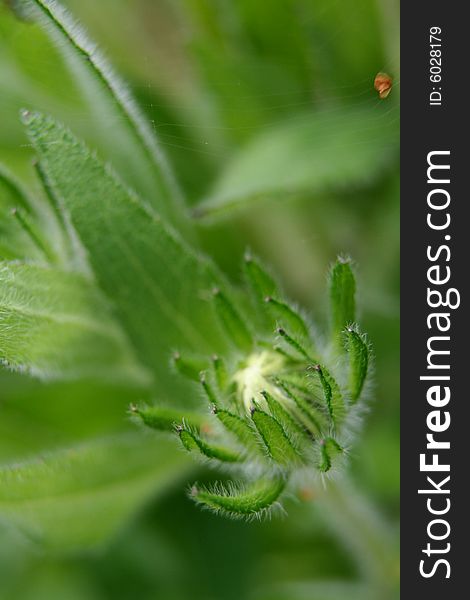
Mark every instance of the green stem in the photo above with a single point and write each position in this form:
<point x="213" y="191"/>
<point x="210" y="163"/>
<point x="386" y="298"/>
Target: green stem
<point x="364" y="532"/>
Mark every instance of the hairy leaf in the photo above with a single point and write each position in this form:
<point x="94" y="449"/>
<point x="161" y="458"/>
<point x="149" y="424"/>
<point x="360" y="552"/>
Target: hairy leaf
<point x="163" y="418"/>
<point x="220" y="371"/>
<point x="56" y="324"/>
<point x="330" y="451"/>
<point x="239" y="428"/>
<point x="359" y="359"/>
<point x="287" y="317"/>
<point x="331" y="393"/>
<point x="342" y="298"/>
<point x="308" y="414"/>
<point x="80" y="496"/>
<point x="277" y="443"/>
<point x="192" y="441"/>
<point x="289" y="423"/>
<point x="159" y="287"/>
<point x="249" y="501"/>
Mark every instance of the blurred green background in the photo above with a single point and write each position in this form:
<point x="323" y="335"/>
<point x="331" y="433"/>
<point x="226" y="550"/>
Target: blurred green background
<point x="223" y="82"/>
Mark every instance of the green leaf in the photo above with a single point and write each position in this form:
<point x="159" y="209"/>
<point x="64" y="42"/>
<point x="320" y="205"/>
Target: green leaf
<point x="290" y="424"/>
<point x="359" y="359"/>
<point x="81" y="496"/>
<point x="53" y="414"/>
<point x="330" y="450"/>
<point x="130" y="141"/>
<point x="160" y="289"/>
<point x="71" y="251"/>
<point x="56" y="324"/>
<point x="294" y="344"/>
<point x="240" y="429"/>
<point x="240" y="502"/>
<point x="332" y="394"/>
<point x="163" y="418"/>
<point x="192" y="441"/>
<point x="308" y="155"/>
<point x="342" y="298"/>
<point x="287" y="317"/>
<point x="277" y="443"/>
<point x="308" y="414"/>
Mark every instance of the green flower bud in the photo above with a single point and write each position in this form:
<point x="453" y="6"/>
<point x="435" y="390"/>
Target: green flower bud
<point x="278" y="405"/>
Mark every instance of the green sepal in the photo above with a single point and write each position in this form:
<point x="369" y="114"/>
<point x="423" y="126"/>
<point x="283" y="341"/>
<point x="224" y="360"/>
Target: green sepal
<point x="162" y="418"/>
<point x="188" y="367"/>
<point x="342" y="298"/>
<point x="359" y="360"/>
<point x="240" y="502"/>
<point x="329" y="451"/>
<point x="307" y="413"/>
<point x="288" y="422"/>
<point x="242" y="431"/>
<point x="287" y="316"/>
<point x="276" y="440"/>
<point x="261" y="284"/>
<point x="209" y="391"/>
<point x="192" y="441"/>
<point x="220" y="372"/>
<point x="231" y="321"/>
<point x="332" y="394"/>
<point x="293" y="343"/>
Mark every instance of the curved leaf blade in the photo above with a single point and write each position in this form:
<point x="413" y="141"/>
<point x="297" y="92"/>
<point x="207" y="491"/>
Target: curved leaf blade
<point x="79" y="497"/>
<point x="55" y="324"/>
<point x="246" y="502"/>
<point x="193" y="442"/>
<point x="160" y="289"/>
<point x="130" y="141"/>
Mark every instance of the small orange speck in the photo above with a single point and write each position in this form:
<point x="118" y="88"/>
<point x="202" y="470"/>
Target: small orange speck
<point x="383" y="84"/>
<point x="206" y="428"/>
<point x="306" y="494"/>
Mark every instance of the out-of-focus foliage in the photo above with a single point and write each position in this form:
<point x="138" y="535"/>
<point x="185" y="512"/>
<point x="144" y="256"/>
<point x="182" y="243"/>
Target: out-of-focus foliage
<point x="247" y="98"/>
<point x="52" y="498"/>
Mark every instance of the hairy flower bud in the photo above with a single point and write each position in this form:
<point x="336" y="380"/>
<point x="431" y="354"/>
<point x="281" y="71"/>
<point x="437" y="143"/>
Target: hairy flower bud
<point x="279" y="404"/>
